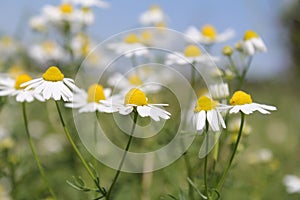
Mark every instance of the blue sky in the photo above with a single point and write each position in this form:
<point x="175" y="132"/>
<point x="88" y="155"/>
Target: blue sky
<point x="262" y="16"/>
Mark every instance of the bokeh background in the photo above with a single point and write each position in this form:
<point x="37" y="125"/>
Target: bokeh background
<point x="273" y="78"/>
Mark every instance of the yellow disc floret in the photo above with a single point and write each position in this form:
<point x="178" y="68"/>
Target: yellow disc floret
<point x="48" y="46"/>
<point x="192" y="51"/>
<point x="6" y="41"/>
<point x="20" y="80"/>
<point x="209" y="31"/>
<point x="53" y="74"/>
<point x="66" y="8"/>
<point x="136" y="96"/>
<point x="240" y="98"/>
<point x="131" y="39"/>
<point x="96" y="93"/>
<point x="206" y="104"/>
<point x="135" y="80"/>
<point x="155" y="8"/>
<point x="250" y="34"/>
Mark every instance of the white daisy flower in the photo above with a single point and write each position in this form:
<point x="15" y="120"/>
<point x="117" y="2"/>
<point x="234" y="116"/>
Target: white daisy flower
<point x="153" y="16"/>
<point x="57" y="14"/>
<point x="136" y="99"/>
<point x="46" y="52"/>
<point x="53" y="84"/>
<point x="219" y="91"/>
<point x="85" y="16"/>
<point x="81" y="45"/>
<point x="38" y="23"/>
<point x="12" y="87"/>
<point x="191" y="54"/>
<point x="89" y="3"/>
<point x="242" y="101"/>
<point x="122" y="83"/>
<point x="8" y="46"/>
<point x="207" y="110"/>
<point x="131" y="46"/>
<point x="90" y="101"/>
<point x="292" y="183"/>
<point x="208" y="35"/>
<point x="252" y="43"/>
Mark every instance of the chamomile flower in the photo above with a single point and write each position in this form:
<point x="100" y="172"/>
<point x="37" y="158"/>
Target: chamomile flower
<point x="208" y="35"/>
<point x="153" y="16"/>
<point x="191" y="54"/>
<point x="38" y="23"/>
<point x="253" y="43"/>
<point x="53" y="84"/>
<point x="292" y="183"/>
<point x="8" y="46"/>
<point x="131" y="45"/>
<point x="136" y="99"/>
<point x="122" y="83"/>
<point x="46" y="52"/>
<point x="90" y="101"/>
<point x="242" y="101"/>
<point x="81" y="45"/>
<point x="207" y="110"/>
<point x="61" y="13"/>
<point x="89" y="3"/>
<point x="12" y="87"/>
<point x="85" y="16"/>
<point x="219" y="91"/>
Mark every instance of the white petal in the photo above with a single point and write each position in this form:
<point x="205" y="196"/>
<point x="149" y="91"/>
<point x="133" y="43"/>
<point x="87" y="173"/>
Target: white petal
<point x="248" y="48"/>
<point x="144" y="111"/>
<point x="235" y="109"/>
<point x="201" y="120"/>
<point x="212" y="119"/>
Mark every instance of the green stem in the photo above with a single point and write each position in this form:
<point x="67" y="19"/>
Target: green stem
<point x="243" y="75"/>
<point x="189" y="173"/>
<point x="232" y="66"/>
<point x="193" y="75"/>
<point x="71" y="141"/>
<point x="35" y="156"/>
<point x="124" y="156"/>
<point x="205" y="160"/>
<point x="219" y="185"/>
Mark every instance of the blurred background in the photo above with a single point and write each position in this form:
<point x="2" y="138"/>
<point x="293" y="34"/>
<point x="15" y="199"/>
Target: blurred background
<point x="273" y="147"/>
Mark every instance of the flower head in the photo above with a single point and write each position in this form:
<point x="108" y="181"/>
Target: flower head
<point x="90" y="101"/>
<point x="153" y="16"/>
<point x="53" y="84"/>
<point x="292" y="183"/>
<point x="13" y="87"/>
<point x="252" y="43"/>
<point x="208" y="34"/>
<point x="206" y="110"/>
<point x="132" y="45"/>
<point x="241" y="101"/>
<point x="136" y="100"/>
<point x="191" y="54"/>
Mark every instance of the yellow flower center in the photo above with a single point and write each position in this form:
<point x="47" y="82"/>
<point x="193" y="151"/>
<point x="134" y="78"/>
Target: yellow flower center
<point x="240" y="98"/>
<point x="192" y="51"/>
<point x="146" y="36"/>
<point x="160" y="25"/>
<point x="155" y="8"/>
<point x="205" y="103"/>
<point x="20" y="80"/>
<point x="209" y="31"/>
<point x="96" y="93"/>
<point x="66" y="8"/>
<point x="86" y="9"/>
<point x="131" y="39"/>
<point x="249" y="35"/>
<point x="48" y="46"/>
<point x="135" y="80"/>
<point x="136" y="96"/>
<point x="6" y="41"/>
<point x="53" y="74"/>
